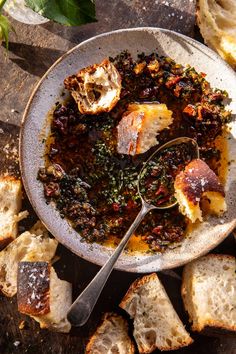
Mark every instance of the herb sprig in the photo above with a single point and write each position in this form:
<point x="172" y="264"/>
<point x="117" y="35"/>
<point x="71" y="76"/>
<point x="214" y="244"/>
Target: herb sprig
<point x="5" y="26"/>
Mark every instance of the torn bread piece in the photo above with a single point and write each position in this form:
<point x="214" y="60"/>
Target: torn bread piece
<point x="217" y="23"/>
<point x="95" y="89"/>
<point x="25" y="247"/>
<point x="156" y="324"/>
<point x="10" y="205"/>
<point x="209" y="293"/>
<point x="111" y="337"/>
<point x="195" y="183"/>
<point x="39" y="229"/>
<point x="140" y="125"/>
<point x="43" y="296"/>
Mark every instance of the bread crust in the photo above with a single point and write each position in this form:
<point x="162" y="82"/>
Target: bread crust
<point x="75" y="82"/>
<point x="134" y="287"/>
<point x="216" y="37"/>
<point x="128" y="133"/>
<point x="138" y="129"/>
<point x="9" y="178"/>
<point x="9" y="181"/>
<point x="107" y="317"/>
<point x="33" y="288"/>
<point x="208" y="326"/>
<point x="5" y="240"/>
<point x="196" y="179"/>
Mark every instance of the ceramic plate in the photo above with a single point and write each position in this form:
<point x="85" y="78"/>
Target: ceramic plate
<point x="35" y="127"/>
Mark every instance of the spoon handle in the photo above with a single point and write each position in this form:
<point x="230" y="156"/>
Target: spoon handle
<point x="82" y="307"/>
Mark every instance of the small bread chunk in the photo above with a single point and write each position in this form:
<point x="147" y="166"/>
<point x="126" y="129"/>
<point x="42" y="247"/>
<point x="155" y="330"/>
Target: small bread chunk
<point x="111" y="337"/>
<point x="156" y="324"/>
<point x="44" y="297"/>
<point x="217" y="23"/>
<point x="198" y="181"/>
<point x="26" y="247"/>
<point x="140" y="125"/>
<point x="10" y="205"/>
<point x="209" y="292"/>
<point x="33" y="284"/>
<point x="60" y="302"/>
<point x="95" y="89"/>
<point x="39" y="229"/>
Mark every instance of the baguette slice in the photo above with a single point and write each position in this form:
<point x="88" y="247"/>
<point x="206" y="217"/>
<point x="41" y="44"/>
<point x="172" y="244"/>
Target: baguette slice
<point x="111" y="337"/>
<point x="209" y="292"/>
<point x="43" y="296"/>
<point x="156" y="324"/>
<point x="10" y="205"/>
<point x="25" y="247"/>
<point x="141" y="123"/>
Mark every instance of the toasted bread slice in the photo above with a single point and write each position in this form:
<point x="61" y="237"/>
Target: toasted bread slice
<point x="26" y="247"/>
<point x="33" y="288"/>
<point x="95" y="89"/>
<point x="111" y="337"/>
<point x="156" y="324"/>
<point x="10" y="205"/>
<point x="209" y="292"/>
<point x="140" y="125"/>
<point x="43" y="296"/>
<point x="217" y="23"/>
<point x="198" y="181"/>
<point x="60" y="302"/>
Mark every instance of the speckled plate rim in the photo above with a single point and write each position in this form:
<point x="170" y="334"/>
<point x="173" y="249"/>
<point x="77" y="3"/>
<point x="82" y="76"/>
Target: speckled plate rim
<point x="62" y="230"/>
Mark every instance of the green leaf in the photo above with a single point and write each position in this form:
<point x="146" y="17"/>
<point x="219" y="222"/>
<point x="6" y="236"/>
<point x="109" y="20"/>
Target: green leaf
<point x="5" y="27"/>
<point x="2" y="3"/>
<point x="66" y="12"/>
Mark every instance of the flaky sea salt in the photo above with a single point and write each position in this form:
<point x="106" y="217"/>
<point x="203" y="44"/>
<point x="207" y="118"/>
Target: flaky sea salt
<point x="16" y="343"/>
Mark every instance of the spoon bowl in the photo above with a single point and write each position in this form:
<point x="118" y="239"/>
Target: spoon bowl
<point x="174" y="142"/>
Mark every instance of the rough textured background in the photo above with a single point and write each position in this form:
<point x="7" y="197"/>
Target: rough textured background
<point x="31" y="53"/>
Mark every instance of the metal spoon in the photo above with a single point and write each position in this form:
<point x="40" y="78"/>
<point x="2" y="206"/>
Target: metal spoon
<point x="81" y="309"/>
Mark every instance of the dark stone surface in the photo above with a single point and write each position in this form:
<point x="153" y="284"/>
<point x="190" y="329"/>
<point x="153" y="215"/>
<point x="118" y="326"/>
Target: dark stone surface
<point x="31" y="53"/>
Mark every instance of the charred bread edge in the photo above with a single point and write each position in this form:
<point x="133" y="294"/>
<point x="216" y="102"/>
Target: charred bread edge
<point x="33" y="288"/>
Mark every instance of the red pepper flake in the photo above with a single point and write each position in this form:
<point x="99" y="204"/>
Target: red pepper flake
<point x="130" y="204"/>
<point x="157" y="230"/>
<point x="203" y="74"/>
<point x="190" y="110"/>
<point x="116" y="206"/>
<point x="199" y="113"/>
<point x="162" y="190"/>
<point x="173" y="80"/>
<point x="120" y="220"/>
